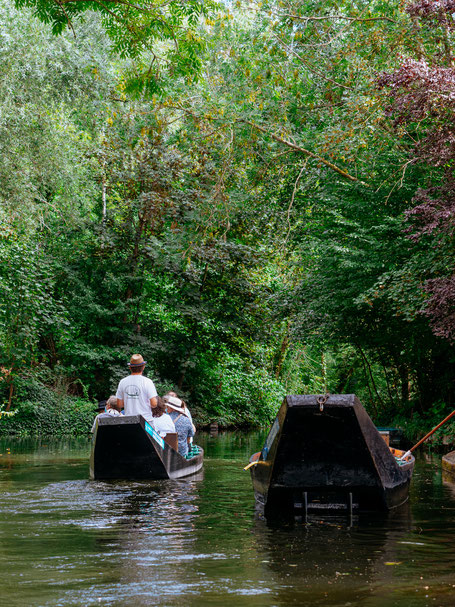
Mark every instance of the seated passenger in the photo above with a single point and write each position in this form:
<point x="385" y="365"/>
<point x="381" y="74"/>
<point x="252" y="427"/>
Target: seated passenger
<point x="171" y="397"/>
<point x="182" y="423"/>
<point x="113" y="408"/>
<point x="161" y="421"/>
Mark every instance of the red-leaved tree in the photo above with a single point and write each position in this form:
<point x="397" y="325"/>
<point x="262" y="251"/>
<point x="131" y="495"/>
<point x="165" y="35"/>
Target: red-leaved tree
<point x="422" y="102"/>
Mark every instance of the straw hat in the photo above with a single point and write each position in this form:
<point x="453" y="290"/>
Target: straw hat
<point x="174" y="403"/>
<point x="137" y="361"/>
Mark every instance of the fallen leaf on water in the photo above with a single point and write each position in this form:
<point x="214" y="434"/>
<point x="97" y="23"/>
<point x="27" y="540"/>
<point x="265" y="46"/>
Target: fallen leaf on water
<point x="393" y="563"/>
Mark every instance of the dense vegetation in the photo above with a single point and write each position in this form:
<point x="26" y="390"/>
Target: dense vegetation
<point x="257" y="197"/>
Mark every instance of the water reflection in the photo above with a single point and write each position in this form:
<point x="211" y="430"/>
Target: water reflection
<point x="331" y="561"/>
<point x="65" y="540"/>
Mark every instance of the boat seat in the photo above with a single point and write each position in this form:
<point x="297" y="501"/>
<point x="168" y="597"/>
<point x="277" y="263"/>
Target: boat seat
<point x="172" y="439"/>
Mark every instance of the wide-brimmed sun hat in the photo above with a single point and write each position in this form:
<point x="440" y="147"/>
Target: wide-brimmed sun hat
<point x="174" y="403"/>
<point x="137" y="361"/>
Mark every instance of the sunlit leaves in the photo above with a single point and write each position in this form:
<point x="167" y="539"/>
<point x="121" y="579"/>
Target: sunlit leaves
<point x="165" y="37"/>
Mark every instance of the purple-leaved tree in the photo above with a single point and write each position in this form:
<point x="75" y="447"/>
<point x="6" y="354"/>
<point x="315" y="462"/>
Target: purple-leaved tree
<point x="422" y="103"/>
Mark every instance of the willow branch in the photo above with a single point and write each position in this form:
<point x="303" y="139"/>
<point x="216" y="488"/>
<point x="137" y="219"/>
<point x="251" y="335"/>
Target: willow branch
<point x="298" y="148"/>
<point x="294" y="192"/>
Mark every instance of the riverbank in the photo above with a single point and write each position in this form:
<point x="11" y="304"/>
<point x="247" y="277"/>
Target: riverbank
<point x="62" y="415"/>
<point x="73" y="416"/>
<point x="68" y="417"/>
<point x="40" y="409"/>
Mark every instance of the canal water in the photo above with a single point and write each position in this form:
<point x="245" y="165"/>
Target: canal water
<point x="66" y="540"/>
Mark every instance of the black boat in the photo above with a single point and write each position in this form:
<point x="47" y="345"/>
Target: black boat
<point x="127" y="447"/>
<point x="325" y="454"/>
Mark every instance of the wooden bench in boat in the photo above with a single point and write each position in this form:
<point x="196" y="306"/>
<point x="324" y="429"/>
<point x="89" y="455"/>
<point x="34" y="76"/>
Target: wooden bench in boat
<point x="172" y="439"/>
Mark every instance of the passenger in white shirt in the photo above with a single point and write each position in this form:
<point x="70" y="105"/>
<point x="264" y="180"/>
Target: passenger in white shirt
<point x="136" y="393"/>
<point x="162" y="422"/>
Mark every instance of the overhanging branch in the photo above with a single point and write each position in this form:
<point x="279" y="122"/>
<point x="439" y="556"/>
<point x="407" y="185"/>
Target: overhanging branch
<point x="297" y="148"/>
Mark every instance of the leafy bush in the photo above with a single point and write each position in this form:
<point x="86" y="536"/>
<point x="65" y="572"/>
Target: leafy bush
<point x="70" y="416"/>
<point x="415" y="426"/>
<point x="237" y="392"/>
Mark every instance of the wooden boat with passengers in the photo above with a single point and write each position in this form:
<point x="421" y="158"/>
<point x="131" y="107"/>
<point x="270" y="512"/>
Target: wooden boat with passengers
<point x="324" y="454"/>
<point x="127" y="447"/>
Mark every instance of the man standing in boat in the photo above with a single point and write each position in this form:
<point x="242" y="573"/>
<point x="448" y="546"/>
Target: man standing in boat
<point x="137" y="393"/>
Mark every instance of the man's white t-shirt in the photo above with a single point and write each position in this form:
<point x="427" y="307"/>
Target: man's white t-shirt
<point x="136" y="392"/>
<point x="163" y="424"/>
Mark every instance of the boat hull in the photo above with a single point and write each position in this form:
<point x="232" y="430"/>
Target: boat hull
<point x="448" y="466"/>
<point x="127" y="447"/>
<point x="327" y="459"/>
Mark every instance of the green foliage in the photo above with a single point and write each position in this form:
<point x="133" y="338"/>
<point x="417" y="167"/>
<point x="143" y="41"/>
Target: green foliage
<point x="43" y="409"/>
<point x="237" y="392"/>
<point x="47" y="98"/>
<point x="69" y="416"/>
<point x="32" y="312"/>
<point x="416" y="425"/>
<point x="242" y="227"/>
<point x="164" y="38"/>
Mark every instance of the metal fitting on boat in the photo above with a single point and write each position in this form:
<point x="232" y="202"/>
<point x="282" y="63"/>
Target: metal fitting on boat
<point x="321" y="401"/>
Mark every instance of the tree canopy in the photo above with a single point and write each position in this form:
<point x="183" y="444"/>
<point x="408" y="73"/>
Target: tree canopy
<point x="162" y="36"/>
<point x="257" y="196"/>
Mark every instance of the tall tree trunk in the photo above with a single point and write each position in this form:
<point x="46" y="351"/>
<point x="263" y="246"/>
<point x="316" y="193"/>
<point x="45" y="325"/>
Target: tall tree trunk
<point x="10" y="396"/>
<point x="404" y="382"/>
<point x="324" y="372"/>
<point x="134" y="259"/>
<point x="368" y="366"/>
<point x="283" y="350"/>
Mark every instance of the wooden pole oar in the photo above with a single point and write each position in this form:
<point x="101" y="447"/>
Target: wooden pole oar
<point x="422" y="440"/>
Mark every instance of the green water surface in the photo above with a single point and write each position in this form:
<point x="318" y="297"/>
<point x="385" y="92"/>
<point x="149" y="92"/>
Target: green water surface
<point x="66" y="540"/>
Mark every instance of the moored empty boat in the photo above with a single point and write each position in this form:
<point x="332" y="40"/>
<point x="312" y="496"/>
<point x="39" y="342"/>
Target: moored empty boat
<point x="325" y="454"/>
<point x="127" y="447"/>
